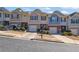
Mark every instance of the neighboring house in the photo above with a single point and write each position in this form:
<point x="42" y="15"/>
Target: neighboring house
<point x="4" y="16"/>
<point x="19" y="17"/>
<point x="73" y="23"/>
<point x="57" y="22"/>
<point x="37" y="20"/>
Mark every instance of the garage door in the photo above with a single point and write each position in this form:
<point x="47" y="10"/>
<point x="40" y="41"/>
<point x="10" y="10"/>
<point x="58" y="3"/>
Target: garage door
<point x="53" y="30"/>
<point x="74" y="31"/>
<point x="32" y="28"/>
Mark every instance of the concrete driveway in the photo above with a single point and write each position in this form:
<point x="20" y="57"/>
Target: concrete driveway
<point x="18" y="34"/>
<point x="65" y="39"/>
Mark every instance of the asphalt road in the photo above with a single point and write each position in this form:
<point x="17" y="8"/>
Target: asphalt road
<point x="17" y="45"/>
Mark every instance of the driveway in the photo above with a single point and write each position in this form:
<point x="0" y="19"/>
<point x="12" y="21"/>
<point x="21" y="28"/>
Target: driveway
<point x="18" y="34"/>
<point x="29" y="36"/>
<point x="65" y="39"/>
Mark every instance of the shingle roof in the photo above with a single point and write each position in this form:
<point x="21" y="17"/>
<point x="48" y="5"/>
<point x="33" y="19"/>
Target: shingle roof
<point x="74" y="13"/>
<point x="58" y="12"/>
<point x="18" y="10"/>
<point x="3" y="9"/>
<point x="38" y="11"/>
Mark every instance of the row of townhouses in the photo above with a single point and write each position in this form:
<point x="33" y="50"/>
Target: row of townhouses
<point x="56" y="21"/>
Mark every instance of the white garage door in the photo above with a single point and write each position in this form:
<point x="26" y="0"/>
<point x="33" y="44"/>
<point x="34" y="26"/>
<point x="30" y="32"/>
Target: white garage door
<point x="53" y="30"/>
<point x="32" y="28"/>
<point x="74" y="31"/>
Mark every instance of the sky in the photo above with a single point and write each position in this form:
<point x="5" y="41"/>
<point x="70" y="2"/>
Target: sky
<point x="65" y="10"/>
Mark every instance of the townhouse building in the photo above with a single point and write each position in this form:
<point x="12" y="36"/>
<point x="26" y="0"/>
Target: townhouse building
<point x="73" y="23"/>
<point x="4" y="16"/>
<point x="56" y="22"/>
<point x="37" y="20"/>
<point x="19" y="17"/>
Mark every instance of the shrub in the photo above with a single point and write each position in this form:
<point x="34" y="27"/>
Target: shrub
<point x="2" y="27"/>
<point x="22" y="28"/>
<point x="46" y="32"/>
<point x="67" y="33"/>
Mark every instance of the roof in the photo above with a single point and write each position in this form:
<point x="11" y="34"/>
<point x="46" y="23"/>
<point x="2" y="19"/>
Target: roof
<point x="38" y="11"/>
<point x="58" y="12"/>
<point x="3" y="9"/>
<point x="74" y="13"/>
<point x="18" y="10"/>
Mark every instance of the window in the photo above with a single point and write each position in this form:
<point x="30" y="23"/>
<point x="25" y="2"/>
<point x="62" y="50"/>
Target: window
<point x="17" y="16"/>
<point x="11" y="16"/>
<point x="77" y="21"/>
<point x="33" y="17"/>
<point x="73" y="21"/>
<point x="53" y="20"/>
<point x="43" y="17"/>
<point x="7" y="15"/>
<point x="63" y="19"/>
<point x="0" y="14"/>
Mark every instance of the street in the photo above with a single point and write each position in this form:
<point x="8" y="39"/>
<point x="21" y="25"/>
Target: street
<point x="18" y="45"/>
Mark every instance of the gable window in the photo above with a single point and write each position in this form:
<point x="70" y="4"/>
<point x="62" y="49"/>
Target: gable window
<point x="43" y="17"/>
<point x="33" y="17"/>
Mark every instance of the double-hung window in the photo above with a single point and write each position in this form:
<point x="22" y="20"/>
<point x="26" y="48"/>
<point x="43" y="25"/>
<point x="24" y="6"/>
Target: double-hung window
<point x="43" y="17"/>
<point x="11" y="16"/>
<point x="33" y="17"/>
<point x="17" y="16"/>
<point x="63" y="19"/>
<point x="7" y="15"/>
<point x="73" y="21"/>
<point x="77" y="21"/>
<point x="0" y="15"/>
